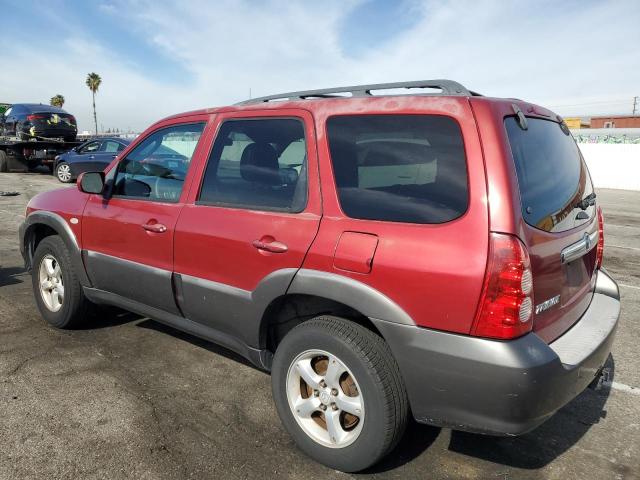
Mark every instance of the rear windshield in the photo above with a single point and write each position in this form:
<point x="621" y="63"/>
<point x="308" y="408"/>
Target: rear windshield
<point x="552" y="176"/>
<point x="399" y="168"/>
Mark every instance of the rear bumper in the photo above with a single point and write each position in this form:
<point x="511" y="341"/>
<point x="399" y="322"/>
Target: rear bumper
<point x="49" y="132"/>
<point x="503" y="387"/>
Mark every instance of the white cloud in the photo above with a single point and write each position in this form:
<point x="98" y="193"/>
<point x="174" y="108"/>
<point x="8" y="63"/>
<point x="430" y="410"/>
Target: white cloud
<point x="582" y="56"/>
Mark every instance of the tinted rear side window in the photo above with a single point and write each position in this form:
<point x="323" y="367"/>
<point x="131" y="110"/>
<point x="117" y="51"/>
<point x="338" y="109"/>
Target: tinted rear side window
<point x="399" y="168"/>
<point x="552" y="176"/>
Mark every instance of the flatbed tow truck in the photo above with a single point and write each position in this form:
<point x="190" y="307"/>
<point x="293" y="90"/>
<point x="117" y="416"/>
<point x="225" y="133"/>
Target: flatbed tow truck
<point x="20" y="155"/>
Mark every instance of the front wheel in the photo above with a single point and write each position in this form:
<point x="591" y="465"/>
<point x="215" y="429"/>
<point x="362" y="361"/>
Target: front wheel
<point x="63" y="172"/>
<point x="56" y="287"/>
<point x="339" y="393"/>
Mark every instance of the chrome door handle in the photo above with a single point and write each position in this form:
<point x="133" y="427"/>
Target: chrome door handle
<point x="154" y="227"/>
<point x="273" y="247"/>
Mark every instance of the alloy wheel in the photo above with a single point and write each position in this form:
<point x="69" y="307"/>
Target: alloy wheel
<point x="64" y="172"/>
<point x="51" y="284"/>
<point x="325" y="399"/>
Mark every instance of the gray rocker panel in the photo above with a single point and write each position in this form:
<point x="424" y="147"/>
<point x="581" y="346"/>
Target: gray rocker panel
<point x="232" y="310"/>
<point x="138" y="282"/>
<point x="255" y="356"/>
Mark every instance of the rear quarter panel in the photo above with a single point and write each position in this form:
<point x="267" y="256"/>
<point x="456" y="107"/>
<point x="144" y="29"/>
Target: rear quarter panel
<point x="433" y="272"/>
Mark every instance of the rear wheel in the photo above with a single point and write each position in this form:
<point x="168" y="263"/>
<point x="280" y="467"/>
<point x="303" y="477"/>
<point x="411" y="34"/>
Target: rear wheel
<point x="63" y="172"/>
<point x="339" y="393"/>
<point x="56" y="288"/>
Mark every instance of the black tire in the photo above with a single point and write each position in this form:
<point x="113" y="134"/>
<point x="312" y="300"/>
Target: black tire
<point x="4" y="166"/>
<point x="63" y="165"/>
<point x="75" y="306"/>
<point x="377" y="374"/>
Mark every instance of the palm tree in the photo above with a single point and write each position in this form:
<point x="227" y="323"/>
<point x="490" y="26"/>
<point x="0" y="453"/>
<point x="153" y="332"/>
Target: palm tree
<point x="57" y="101"/>
<point x="93" y="82"/>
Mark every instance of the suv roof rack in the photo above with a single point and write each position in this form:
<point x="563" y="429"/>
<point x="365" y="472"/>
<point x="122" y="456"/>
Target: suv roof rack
<point x="448" y="87"/>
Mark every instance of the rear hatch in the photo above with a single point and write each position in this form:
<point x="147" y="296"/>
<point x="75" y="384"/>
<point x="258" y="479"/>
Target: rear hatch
<point x="51" y="123"/>
<point x="560" y="227"/>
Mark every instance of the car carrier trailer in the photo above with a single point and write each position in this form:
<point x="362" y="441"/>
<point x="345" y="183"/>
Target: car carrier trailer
<point x="19" y="155"/>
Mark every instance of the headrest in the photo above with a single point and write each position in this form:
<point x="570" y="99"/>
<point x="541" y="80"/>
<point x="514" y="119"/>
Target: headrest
<point x="259" y="163"/>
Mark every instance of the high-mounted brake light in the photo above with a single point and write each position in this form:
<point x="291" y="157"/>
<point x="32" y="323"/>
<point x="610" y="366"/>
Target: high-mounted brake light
<point x="600" y="250"/>
<point x="506" y="305"/>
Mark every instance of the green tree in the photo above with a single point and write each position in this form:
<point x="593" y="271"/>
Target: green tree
<point x="93" y="82"/>
<point x="57" y="101"/>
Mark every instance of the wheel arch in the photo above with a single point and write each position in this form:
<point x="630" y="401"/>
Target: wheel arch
<point x="314" y="293"/>
<point x="41" y="224"/>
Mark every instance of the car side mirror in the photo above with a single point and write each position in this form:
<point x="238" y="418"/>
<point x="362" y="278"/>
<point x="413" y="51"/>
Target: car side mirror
<point x="91" y="182"/>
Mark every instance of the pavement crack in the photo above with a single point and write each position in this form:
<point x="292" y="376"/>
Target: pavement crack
<point x="24" y="362"/>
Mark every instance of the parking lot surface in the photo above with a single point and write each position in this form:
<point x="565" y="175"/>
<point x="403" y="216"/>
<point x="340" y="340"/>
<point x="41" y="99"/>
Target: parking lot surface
<point x="126" y="397"/>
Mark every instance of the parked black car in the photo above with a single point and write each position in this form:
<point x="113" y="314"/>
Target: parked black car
<point x="92" y="156"/>
<point x="32" y="120"/>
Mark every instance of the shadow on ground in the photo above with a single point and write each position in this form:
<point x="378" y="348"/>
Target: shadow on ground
<point x="187" y="337"/>
<point x="531" y="451"/>
<point x="11" y="275"/>
<point x="540" y="447"/>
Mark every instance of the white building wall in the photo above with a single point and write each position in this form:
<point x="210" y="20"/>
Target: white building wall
<point x="613" y="165"/>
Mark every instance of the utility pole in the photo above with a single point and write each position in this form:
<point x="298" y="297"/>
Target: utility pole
<point x="635" y="104"/>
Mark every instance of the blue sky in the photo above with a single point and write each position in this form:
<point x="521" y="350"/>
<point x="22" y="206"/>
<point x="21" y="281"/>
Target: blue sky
<point x="161" y="57"/>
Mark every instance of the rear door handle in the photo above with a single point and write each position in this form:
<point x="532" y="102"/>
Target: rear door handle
<point x="273" y="246"/>
<point x="154" y="227"/>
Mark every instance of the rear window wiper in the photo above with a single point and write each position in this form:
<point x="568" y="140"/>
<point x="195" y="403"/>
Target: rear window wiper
<point x="587" y="201"/>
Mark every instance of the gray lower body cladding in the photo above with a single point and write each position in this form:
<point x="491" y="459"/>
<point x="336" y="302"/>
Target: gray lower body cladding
<point x="502" y="387"/>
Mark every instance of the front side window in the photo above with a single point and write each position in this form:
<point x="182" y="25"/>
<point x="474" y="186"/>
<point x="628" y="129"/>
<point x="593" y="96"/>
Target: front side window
<point x="157" y="167"/>
<point x="399" y="168"/>
<point x="258" y="164"/>
<point x="90" y="147"/>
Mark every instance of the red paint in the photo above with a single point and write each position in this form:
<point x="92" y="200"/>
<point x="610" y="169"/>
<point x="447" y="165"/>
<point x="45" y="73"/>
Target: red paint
<point x="119" y="226"/>
<point x="355" y="252"/>
<point x="549" y="275"/>
<point x="434" y="272"/>
<point x="217" y="243"/>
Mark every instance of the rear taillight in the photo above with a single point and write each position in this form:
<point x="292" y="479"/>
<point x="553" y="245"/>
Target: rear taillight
<point x="506" y="304"/>
<point x="72" y="119"/>
<point x="31" y="118"/>
<point x="600" y="250"/>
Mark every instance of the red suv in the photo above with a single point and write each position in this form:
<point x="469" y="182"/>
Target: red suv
<point x="434" y="255"/>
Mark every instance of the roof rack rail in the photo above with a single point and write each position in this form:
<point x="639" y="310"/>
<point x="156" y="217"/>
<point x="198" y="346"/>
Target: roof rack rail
<point x="448" y="87"/>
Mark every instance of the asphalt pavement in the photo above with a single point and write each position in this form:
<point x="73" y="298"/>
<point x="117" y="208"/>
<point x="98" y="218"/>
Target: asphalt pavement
<point x="126" y="397"/>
